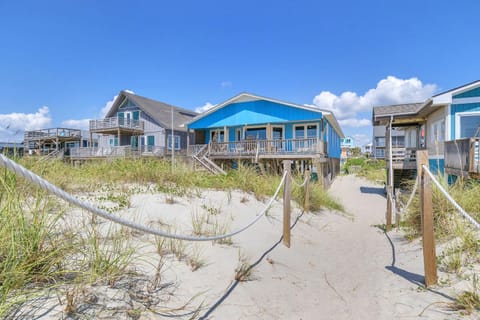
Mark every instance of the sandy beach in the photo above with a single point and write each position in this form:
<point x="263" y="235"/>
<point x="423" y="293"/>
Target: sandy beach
<point x="339" y="266"/>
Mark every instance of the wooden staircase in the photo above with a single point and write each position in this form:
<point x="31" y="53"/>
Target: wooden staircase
<point x="201" y="156"/>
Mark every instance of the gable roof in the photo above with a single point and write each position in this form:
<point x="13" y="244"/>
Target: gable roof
<point x="159" y="111"/>
<point x="446" y="96"/>
<point x="246" y="97"/>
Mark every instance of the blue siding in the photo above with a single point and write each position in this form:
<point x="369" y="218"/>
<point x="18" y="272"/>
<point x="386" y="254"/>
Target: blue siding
<point x="289" y="131"/>
<point x="333" y="142"/>
<point x="469" y="94"/>
<point x="253" y="112"/>
<point x="455" y="108"/>
<point x="436" y="166"/>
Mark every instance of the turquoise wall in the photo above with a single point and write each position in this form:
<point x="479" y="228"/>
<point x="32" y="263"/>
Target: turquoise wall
<point x="468" y="94"/>
<point x="436" y="165"/>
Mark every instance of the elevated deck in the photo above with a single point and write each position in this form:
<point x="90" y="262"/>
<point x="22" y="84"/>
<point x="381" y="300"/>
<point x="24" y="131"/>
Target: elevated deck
<point x="265" y="149"/>
<point x="117" y="126"/>
<point x="402" y="158"/>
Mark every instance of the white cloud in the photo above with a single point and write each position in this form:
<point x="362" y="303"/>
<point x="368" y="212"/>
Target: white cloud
<point x="82" y="124"/>
<point x="355" y="123"/>
<point x="109" y="105"/>
<point x="390" y="90"/>
<point x="13" y="125"/>
<point x="207" y="106"/>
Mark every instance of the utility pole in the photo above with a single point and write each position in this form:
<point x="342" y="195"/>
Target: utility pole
<point x="172" y="143"/>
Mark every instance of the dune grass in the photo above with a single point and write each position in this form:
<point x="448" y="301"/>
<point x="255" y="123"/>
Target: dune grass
<point x="39" y="250"/>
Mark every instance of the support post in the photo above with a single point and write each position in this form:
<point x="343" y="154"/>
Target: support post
<point x="306" y="200"/>
<point x="388" y="138"/>
<point x="287" y="165"/>
<point x="388" y="224"/>
<point x="429" y="254"/>
<point x="397" y="209"/>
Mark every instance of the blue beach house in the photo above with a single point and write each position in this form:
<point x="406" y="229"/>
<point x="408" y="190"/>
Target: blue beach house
<point x="254" y="129"/>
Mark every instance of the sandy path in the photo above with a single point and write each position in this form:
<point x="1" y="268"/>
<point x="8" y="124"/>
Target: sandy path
<point x="339" y="268"/>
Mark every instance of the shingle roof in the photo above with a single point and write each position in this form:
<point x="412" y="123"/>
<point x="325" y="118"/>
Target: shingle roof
<point x="397" y="109"/>
<point x="159" y="111"/>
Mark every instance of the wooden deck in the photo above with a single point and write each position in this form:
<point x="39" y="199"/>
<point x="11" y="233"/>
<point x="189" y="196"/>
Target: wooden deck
<point x="402" y="158"/>
<point x="116" y="125"/>
<point x="265" y="149"/>
<point x="462" y="157"/>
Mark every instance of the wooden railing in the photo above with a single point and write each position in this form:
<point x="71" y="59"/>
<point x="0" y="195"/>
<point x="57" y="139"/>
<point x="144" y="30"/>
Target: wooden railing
<point x="52" y="133"/>
<point x="114" y="122"/>
<point x="119" y="151"/>
<point x="463" y="155"/>
<point x="310" y="146"/>
<point x="402" y="154"/>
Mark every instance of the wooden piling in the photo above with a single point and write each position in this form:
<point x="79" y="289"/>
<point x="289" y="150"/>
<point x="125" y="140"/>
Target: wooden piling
<point x="306" y="200"/>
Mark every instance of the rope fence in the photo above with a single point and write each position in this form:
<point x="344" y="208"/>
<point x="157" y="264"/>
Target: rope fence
<point x="450" y="199"/>
<point x="44" y="184"/>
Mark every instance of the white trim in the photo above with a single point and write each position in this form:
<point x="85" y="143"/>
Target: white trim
<point x="446" y="97"/>
<point x="305" y="125"/>
<point x="458" y="115"/>
<point x="448" y="124"/>
<point x="278" y="126"/>
<point x="466" y="100"/>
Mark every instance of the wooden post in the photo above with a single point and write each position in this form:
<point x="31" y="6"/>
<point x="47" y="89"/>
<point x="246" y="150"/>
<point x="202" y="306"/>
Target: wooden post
<point x="287" y="165"/>
<point x="429" y="254"/>
<point x="388" y="218"/>
<point x="306" y="200"/>
<point x="397" y="211"/>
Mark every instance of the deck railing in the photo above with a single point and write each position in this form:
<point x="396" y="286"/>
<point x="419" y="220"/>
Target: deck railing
<point x="114" y="122"/>
<point x="118" y="151"/>
<point x="400" y="154"/>
<point x="463" y="155"/>
<point x="52" y="133"/>
<point x="310" y="146"/>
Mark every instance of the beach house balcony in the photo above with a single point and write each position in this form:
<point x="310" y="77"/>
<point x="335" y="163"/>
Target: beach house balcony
<point x="117" y="126"/>
<point x="264" y="149"/>
<point x="402" y="158"/>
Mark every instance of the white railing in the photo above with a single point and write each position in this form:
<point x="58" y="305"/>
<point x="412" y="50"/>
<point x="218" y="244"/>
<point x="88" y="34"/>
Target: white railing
<point x="52" y="133"/>
<point x="119" y="151"/>
<point x="268" y="147"/>
<point x="114" y="122"/>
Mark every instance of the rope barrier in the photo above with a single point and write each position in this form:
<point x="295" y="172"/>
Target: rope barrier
<point x="300" y="185"/>
<point x="449" y="198"/>
<point x="44" y="184"/>
<point x="410" y="199"/>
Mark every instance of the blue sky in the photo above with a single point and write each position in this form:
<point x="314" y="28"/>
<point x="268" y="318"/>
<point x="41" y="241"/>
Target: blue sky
<point x="65" y="60"/>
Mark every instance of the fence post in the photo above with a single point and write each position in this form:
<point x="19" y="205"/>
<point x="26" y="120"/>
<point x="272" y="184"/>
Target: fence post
<point x="397" y="209"/>
<point x="388" y="224"/>
<point x="287" y="165"/>
<point x="306" y="200"/>
<point x="429" y="254"/>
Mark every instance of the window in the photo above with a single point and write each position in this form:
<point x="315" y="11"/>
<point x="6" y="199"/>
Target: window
<point x="468" y="125"/>
<point x="256" y="133"/>
<point x="177" y="142"/>
<point x="398" y="141"/>
<point x="379" y="153"/>
<point x="113" y="142"/>
<point x="217" y="136"/>
<point x="277" y="133"/>
<point x="438" y="131"/>
<point x="306" y="131"/>
<point x="380" y="141"/>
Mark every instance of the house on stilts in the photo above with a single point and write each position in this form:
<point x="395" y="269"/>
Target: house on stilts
<point x="254" y="130"/>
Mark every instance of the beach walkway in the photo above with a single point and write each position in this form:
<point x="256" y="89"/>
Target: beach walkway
<point x="340" y="267"/>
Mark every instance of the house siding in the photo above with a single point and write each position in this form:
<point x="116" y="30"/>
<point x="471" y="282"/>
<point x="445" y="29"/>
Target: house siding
<point x="457" y="108"/>
<point x="468" y="94"/>
<point x="252" y="113"/>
